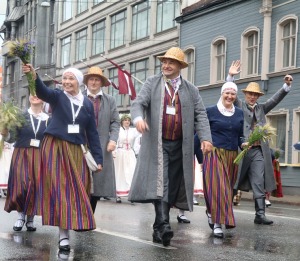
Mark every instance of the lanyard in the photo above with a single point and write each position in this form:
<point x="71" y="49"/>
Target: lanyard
<point x="74" y="115"/>
<point x="33" y="127"/>
<point x="168" y="90"/>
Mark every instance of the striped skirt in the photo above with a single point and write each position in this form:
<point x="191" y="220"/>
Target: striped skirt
<point x="219" y="177"/>
<point x="65" y="186"/>
<point x="22" y="189"/>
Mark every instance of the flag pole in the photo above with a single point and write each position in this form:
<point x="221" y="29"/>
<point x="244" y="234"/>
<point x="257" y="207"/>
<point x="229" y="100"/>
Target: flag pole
<point x="131" y="74"/>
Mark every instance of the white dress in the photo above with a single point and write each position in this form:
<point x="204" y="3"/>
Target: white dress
<point x="125" y="160"/>
<point x="5" y="163"/>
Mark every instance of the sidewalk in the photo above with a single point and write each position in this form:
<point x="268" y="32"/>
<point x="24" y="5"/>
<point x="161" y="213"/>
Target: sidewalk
<point x="286" y="199"/>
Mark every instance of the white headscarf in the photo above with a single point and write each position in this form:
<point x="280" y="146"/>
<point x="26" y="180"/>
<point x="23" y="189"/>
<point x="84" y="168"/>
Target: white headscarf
<point x="78" y="74"/>
<point x="227" y="86"/>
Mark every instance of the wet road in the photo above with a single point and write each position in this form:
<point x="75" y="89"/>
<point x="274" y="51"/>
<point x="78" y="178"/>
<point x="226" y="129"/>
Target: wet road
<point x="124" y="233"/>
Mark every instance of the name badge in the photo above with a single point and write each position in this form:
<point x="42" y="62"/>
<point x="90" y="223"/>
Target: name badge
<point x="34" y="143"/>
<point x="170" y="110"/>
<point x="73" y="128"/>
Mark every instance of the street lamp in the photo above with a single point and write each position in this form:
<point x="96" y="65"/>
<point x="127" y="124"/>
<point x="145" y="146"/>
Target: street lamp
<point x="45" y="4"/>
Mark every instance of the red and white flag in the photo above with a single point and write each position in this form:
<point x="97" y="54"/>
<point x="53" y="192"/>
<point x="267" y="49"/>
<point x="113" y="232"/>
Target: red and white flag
<point x="125" y="82"/>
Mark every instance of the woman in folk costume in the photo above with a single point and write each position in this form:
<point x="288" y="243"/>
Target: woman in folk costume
<point x="65" y="178"/>
<point x="23" y="182"/>
<point x="219" y="172"/>
<point x="125" y="159"/>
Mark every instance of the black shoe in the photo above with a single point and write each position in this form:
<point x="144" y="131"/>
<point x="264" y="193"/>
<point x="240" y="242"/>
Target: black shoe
<point x="106" y="198"/>
<point x="15" y="228"/>
<point x="118" y="200"/>
<point x="183" y="220"/>
<point x="262" y="220"/>
<point x="65" y="247"/>
<point x="30" y="228"/>
<point x="166" y="236"/>
<point x="156" y="237"/>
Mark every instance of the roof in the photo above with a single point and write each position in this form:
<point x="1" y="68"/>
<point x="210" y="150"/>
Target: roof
<point x="201" y="5"/>
<point x="16" y="14"/>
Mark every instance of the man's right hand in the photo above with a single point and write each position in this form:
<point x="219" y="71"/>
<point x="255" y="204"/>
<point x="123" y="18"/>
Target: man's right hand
<point x="141" y="126"/>
<point x="235" y="68"/>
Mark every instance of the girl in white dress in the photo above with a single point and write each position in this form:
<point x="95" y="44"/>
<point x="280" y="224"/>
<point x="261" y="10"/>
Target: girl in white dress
<point x="125" y="159"/>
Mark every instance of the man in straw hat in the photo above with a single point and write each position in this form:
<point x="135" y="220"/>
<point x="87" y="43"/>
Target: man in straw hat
<point x="167" y="110"/>
<point x="108" y="125"/>
<point x="256" y="169"/>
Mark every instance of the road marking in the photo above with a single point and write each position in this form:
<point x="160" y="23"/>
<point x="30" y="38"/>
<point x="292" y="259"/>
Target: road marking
<point x="116" y="234"/>
<point x="268" y="214"/>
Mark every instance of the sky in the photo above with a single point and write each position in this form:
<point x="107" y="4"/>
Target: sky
<point x="2" y="15"/>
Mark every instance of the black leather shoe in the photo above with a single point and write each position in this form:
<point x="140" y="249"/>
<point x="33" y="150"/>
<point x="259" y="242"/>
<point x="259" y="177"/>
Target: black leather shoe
<point x="262" y="220"/>
<point x="30" y="228"/>
<point x="166" y="236"/>
<point x="156" y="237"/>
<point x="65" y="247"/>
<point x="106" y="198"/>
<point x="183" y="220"/>
<point x="118" y="200"/>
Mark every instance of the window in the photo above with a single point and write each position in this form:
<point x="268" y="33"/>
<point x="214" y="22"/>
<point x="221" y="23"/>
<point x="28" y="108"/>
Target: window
<point x="286" y="42"/>
<point x="81" y="38"/>
<point x="189" y="72"/>
<point x="157" y="68"/>
<point x="250" y="52"/>
<point x="167" y="10"/>
<point x="139" y="70"/>
<point x="82" y="5"/>
<point x="218" y="61"/>
<point x="296" y="135"/>
<point x="140" y="20"/>
<point x="67" y="10"/>
<point x="65" y="51"/>
<point x="279" y="121"/>
<point x="113" y="76"/>
<point x="98" y="38"/>
<point x="118" y="27"/>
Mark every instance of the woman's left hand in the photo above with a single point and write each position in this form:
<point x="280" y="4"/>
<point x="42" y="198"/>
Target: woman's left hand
<point x="99" y="168"/>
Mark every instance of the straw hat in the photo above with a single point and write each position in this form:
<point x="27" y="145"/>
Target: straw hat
<point x="96" y="71"/>
<point x="175" y="53"/>
<point x="253" y="87"/>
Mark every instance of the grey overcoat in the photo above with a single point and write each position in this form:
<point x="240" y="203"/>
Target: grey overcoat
<point x="261" y="109"/>
<point x="147" y="184"/>
<point x="108" y="129"/>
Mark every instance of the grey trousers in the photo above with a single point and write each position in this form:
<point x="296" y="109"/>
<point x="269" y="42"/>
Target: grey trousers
<point x="254" y="166"/>
<point x="173" y="169"/>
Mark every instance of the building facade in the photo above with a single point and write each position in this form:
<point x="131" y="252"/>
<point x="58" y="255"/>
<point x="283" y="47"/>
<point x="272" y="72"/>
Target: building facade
<point x="263" y="34"/>
<point x="80" y="33"/>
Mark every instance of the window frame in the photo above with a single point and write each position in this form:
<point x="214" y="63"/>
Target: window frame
<point x="79" y="41"/>
<point x="94" y="33"/>
<point x="214" y="60"/>
<point x="189" y="72"/>
<point x="135" y="25"/>
<point x="279" y="66"/>
<point x="244" y="52"/>
<point x="113" y="32"/>
<point x="280" y="112"/>
<point x="160" y="17"/>
<point x="62" y="46"/>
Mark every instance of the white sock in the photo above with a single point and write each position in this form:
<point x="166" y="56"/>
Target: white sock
<point x="218" y="228"/>
<point x="64" y="233"/>
<point x="181" y="214"/>
<point x="20" y="221"/>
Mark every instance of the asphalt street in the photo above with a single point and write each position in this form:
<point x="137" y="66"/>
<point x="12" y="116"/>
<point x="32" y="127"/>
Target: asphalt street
<point x="124" y="233"/>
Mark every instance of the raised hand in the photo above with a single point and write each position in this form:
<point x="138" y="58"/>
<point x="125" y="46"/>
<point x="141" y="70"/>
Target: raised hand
<point x="235" y="68"/>
<point x="288" y="79"/>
